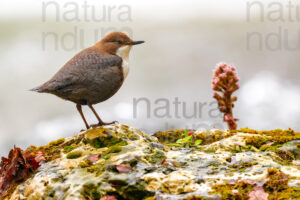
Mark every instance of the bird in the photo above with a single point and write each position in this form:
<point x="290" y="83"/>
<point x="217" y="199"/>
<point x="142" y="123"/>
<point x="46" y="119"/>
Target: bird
<point x="93" y="75"/>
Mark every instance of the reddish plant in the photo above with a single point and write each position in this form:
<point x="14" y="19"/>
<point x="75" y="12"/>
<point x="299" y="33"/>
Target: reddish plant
<point x="18" y="166"/>
<point x="225" y="83"/>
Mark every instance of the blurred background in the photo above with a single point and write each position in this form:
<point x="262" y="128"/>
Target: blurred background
<point x="184" y="42"/>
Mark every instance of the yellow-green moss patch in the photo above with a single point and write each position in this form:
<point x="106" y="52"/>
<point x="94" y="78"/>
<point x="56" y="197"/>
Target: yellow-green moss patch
<point x="74" y="155"/>
<point x="57" y="142"/>
<point x="256" y="141"/>
<point x="68" y="149"/>
<point x="114" y="149"/>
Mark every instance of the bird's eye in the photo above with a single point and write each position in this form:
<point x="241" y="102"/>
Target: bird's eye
<point x="119" y="41"/>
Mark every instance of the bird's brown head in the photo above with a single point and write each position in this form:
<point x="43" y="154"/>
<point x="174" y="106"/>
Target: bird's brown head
<point x="117" y="43"/>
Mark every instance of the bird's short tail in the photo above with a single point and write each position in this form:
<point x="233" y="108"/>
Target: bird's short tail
<point x="37" y="89"/>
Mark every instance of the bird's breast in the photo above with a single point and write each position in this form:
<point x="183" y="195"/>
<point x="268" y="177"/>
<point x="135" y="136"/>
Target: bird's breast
<point x="125" y="67"/>
<point x="123" y="52"/>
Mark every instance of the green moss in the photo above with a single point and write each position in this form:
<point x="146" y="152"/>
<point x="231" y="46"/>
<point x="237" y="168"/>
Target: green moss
<point x="279" y="136"/>
<point x="245" y="130"/>
<point x="278" y="130"/>
<point x="50" y="152"/>
<point x="171" y="136"/>
<point x="214" y="136"/>
<point x="226" y="190"/>
<point x="243" y="165"/>
<point x="89" y="191"/>
<point x="283" y="139"/>
<point x="268" y="147"/>
<point x="100" y="137"/>
<point x="74" y="155"/>
<point x="276" y="138"/>
<point x="277" y="186"/>
<point x="57" y="142"/>
<point x="114" y="149"/>
<point x="97" y="168"/>
<point x="122" y="143"/>
<point x="158" y="156"/>
<point x="210" y="150"/>
<point x="85" y="163"/>
<point x="104" y="141"/>
<point x="106" y="157"/>
<point x="68" y="149"/>
<point x="128" y="133"/>
<point x="277" y="180"/>
<point x="283" y="136"/>
<point x="286" y="156"/>
<point x="256" y="141"/>
<point x="54" y="148"/>
<point x="208" y="137"/>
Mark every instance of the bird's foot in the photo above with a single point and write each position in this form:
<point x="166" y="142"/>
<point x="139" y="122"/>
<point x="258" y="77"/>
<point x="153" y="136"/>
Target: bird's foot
<point x="104" y="123"/>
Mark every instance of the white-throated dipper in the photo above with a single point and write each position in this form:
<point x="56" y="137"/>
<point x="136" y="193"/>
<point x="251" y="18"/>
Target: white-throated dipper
<point x="93" y="75"/>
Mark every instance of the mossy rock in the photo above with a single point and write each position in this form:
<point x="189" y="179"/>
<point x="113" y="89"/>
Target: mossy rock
<point x="257" y="141"/>
<point x="105" y="141"/>
<point x="156" y="168"/>
<point x="285" y="155"/>
<point x="57" y="142"/>
<point x="226" y="190"/>
<point x="85" y="164"/>
<point x="137" y="191"/>
<point x="68" y="149"/>
<point x="157" y="157"/>
<point x="114" y="149"/>
<point x="74" y="155"/>
<point x="292" y="147"/>
<point x="277" y="186"/>
<point x="90" y="191"/>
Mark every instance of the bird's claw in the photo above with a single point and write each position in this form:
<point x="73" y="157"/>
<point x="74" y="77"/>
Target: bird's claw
<point x="103" y="123"/>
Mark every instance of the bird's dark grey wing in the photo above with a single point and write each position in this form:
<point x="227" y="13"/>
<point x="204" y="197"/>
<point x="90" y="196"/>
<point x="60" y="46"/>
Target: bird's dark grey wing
<point x="80" y="70"/>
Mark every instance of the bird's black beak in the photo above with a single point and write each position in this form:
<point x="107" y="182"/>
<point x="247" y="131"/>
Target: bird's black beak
<point x="137" y="42"/>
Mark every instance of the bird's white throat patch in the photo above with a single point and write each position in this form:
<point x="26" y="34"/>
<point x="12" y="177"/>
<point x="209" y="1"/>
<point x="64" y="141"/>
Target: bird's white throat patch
<point x="123" y="52"/>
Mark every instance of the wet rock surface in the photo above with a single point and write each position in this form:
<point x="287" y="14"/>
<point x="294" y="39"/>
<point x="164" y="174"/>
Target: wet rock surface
<point x="121" y="162"/>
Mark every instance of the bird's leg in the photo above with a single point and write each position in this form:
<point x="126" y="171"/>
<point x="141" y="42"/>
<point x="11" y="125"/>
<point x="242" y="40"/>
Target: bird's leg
<point x="78" y="106"/>
<point x="101" y="123"/>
